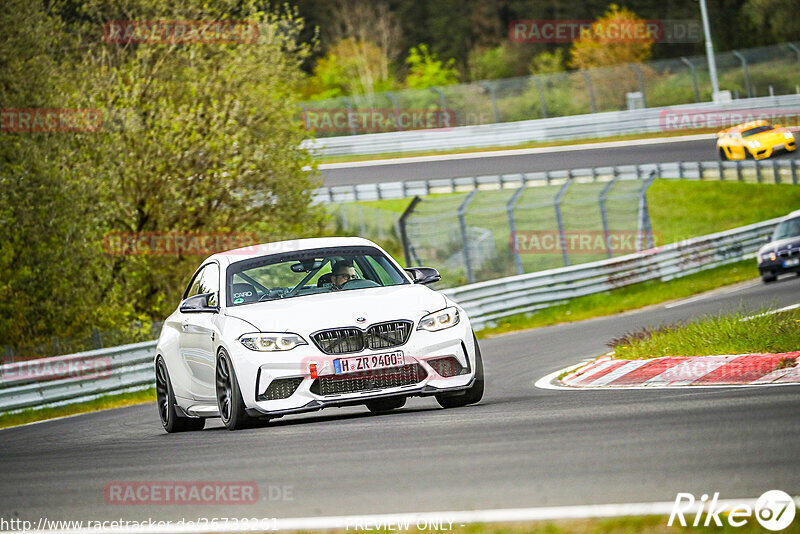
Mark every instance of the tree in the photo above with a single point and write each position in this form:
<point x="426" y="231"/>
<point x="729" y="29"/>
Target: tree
<point x="599" y="47"/>
<point x="426" y="70"/>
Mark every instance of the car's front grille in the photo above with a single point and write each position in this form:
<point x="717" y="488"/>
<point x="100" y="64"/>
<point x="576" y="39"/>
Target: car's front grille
<point x="280" y="388"/>
<point x="339" y="341"/>
<point x="387" y="335"/>
<point x="378" y="336"/>
<point x="405" y="375"/>
<point x="787" y="252"/>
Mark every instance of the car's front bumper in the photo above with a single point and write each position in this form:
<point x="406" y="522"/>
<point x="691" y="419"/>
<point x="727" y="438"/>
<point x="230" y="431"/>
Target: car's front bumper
<point x="779" y="266"/>
<point x="256" y="371"/>
<point x="768" y="151"/>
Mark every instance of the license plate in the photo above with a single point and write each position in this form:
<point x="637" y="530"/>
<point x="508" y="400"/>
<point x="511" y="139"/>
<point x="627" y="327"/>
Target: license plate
<point x="791" y="263"/>
<point x="369" y="362"/>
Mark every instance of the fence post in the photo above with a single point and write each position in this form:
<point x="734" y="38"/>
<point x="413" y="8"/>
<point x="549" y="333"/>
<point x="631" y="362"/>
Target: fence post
<point x="645" y="227"/>
<point x="794" y="171"/>
<point x="759" y="178"/>
<point x="796" y="51"/>
<point x="363" y="223"/>
<point x="97" y="339"/>
<point x="349" y="107"/>
<point x="512" y="226"/>
<point x="739" y="171"/>
<point x="403" y="233"/>
<point x="776" y="175"/>
<point x="601" y="200"/>
<point x="721" y="171"/>
<point x="442" y="100"/>
<point x="746" y="72"/>
<point x="562" y="233"/>
<point x="590" y="89"/>
<point x="640" y="78"/>
<point x="462" y="211"/>
<point x="680" y="170"/>
<point x="490" y="88"/>
<point x="693" y="71"/>
<point x="542" y="102"/>
<point x="396" y="108"/>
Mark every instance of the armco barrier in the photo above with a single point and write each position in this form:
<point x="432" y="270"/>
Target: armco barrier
<point x="60" y="379"/>
<point x="592" y="125"/>
<point x="130" y="367"/>
<point x="766" y="171"/>
<point x="494" y="299"/>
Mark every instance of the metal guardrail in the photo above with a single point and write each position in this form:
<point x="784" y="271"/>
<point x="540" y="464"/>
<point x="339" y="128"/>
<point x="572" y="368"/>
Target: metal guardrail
<point x="79" y="377"/>
<point x="771" y="171"/>
<point x="88" y="375"/>
<point x="587" y="126"/>
<point x="494" y="299"/>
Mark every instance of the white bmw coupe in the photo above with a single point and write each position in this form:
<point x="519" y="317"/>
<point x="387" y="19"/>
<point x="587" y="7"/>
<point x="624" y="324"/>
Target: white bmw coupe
<point x="296" y="326"/>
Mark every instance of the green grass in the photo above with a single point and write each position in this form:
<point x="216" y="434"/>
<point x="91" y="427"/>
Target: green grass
<point x="726" y="334"/>
<point x="529" y="144"/>
<point x="102" y="403"/>
<point x="626" y="298"/>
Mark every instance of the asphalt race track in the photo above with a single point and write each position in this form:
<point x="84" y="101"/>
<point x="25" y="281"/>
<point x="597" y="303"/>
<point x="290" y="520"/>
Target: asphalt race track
<point x="697" y="150"/>
<point x="520" y="447"/>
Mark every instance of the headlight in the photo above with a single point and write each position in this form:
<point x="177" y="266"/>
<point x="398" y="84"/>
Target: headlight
<point x="754" y="144"/>
<point x="269" y="341"/>
<point x="767" y="256"/>
<point x="788" y="135"/>
<point x="439" y="320"/>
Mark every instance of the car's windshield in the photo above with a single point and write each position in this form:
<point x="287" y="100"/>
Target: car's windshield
<point x="787" y="228"/>
<point x="309" y="272"/>
<point x="756" y="130"/>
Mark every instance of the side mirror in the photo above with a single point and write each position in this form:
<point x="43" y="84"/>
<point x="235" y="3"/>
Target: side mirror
<point x="424" y="275"/>
<point x="205" y="302"/>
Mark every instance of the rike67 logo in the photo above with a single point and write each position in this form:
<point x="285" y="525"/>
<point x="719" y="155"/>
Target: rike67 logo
<point x="774" y="510"/>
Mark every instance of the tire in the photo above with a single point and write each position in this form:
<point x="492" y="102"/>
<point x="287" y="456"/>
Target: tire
<point x="767" y="278"/>
<point x="722" y="155"/>
<point x="386" y="405"/>
<point x="229" y="397"/>
<point x="170" y="419"/>
<point x="469" y="396"/>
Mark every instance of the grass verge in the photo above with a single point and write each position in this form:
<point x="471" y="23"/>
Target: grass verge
<point x="626" y="298"/>
<point x="737" y="333"/>
<point x="102" y="403"/>
<point x="529" y="144"/>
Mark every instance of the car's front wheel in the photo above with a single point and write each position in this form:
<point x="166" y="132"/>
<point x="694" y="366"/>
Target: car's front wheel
<point x="170" y="419"/>
<point x="769" y="277"/>
<point x="469" y="396"/>
<point x="722" y="154"/>
<point x="229" y="397"/>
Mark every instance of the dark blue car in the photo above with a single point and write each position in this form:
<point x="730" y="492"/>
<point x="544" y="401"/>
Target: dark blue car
<point x="782" y="253"/>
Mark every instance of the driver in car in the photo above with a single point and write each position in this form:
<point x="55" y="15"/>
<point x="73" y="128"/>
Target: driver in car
<point x="343" y="272"/>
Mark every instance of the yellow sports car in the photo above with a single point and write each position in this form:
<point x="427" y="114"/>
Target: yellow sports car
<point x="756" y="139"/>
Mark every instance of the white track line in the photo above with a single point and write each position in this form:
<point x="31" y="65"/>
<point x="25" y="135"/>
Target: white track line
<point x="713" y="293"/>
<point x="772" y="312"/>
<point x="428" y="520"/>
<point x="511" y="152"/>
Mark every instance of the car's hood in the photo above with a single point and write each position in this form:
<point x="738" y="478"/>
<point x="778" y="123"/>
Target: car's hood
<point x="770" y="138"/>
<point x="310" y="313"/>
<point x="790" y="243"/>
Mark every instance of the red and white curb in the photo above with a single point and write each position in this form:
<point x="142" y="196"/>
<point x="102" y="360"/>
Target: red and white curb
<point x="668" y="372"/>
